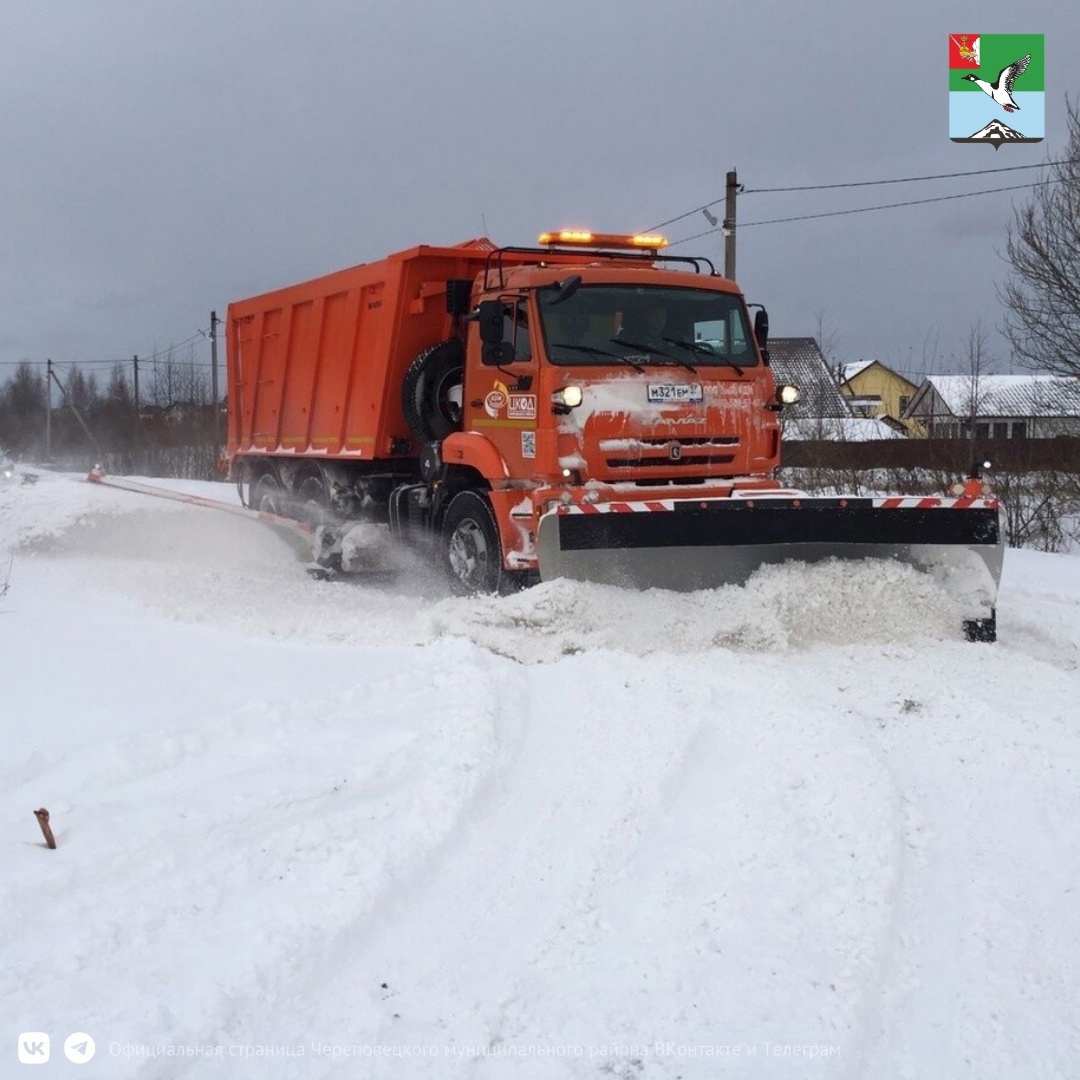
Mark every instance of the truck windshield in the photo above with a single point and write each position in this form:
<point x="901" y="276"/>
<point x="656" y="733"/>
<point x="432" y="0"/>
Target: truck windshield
<point x="639" y="325"/>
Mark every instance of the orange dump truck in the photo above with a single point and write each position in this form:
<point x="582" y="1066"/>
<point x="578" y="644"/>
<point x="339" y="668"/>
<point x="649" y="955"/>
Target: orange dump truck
<point x="590" y="408"/>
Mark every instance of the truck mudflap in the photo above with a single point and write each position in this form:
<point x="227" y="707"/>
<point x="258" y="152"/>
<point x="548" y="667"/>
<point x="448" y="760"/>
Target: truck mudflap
<point x="687" y="544"/>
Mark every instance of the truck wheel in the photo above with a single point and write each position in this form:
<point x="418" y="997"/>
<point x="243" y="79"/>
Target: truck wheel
<point x="266" y="495"/>
<point x="431" y="394"/>
<point x="472" y="547"/>
<point x="313" y="501"/>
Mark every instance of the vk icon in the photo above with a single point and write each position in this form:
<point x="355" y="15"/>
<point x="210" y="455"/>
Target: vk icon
<point x="33" y="1047"/>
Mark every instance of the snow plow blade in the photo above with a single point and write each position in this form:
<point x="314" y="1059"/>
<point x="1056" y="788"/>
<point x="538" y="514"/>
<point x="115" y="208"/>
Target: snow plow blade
<point x="686" y="544"/>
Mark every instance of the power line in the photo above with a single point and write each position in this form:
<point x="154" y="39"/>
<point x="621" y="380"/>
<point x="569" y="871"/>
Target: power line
<point x="152" y="358"/>
<point x="908" y="179"/>
<point x="868" y="209"/>
<point x="891" y="206"/>
<point x="862" y="183"/>
<point x="102" y="363"/>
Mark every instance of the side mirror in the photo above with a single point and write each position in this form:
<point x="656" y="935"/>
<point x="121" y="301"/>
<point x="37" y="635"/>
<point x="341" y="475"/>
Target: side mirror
<point x="496" y="353"/>
<point x="761" y="328"/>
<point x="490" y="317"/>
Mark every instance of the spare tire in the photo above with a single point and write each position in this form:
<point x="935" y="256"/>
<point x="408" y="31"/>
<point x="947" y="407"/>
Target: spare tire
<point x="431" y="395"/>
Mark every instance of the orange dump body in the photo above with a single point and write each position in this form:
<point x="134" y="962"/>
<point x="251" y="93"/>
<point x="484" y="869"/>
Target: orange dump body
<point x="317" y="368"/>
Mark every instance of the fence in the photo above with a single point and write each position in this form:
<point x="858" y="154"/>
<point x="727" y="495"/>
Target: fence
<point x="1037" y="480"/>
<point x="937" y="455"/>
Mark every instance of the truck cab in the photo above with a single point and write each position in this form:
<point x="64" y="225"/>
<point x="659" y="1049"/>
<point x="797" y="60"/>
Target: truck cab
<point x="607" y="382"/>
<point x="618" y="375"/>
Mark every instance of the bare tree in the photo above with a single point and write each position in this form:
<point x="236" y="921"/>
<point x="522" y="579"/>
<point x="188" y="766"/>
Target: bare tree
<point x="1042" y="295"/>
<point x="828" y="336"/>
<point x="178" y="379"/>
<point x="977" y="360"/>
<point x="22" y="410"/>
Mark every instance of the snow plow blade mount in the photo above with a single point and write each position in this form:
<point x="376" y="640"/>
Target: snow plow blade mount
<point x="687" y="544"/>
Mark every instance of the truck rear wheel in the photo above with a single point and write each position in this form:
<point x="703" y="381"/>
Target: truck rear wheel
<point x="471" y="545"/>
<point x="266" y="495"/>
<point x="314" y="503"/>
<point x="431" y="394"/>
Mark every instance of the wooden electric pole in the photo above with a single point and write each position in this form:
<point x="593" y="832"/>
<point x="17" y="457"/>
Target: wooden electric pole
<point x="135" y="365"/>
<point x="214" y="377"/>
<point x="729" y="224"/>
<point x="48" y="410"/>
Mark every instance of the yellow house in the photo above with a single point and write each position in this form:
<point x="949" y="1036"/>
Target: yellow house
<point x="873" y="390"/>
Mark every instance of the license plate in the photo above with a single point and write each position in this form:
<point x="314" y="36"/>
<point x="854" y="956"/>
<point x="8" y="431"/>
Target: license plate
<point x="674" y="392"/>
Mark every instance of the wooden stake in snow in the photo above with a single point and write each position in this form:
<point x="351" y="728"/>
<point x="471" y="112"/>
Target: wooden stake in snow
<point x="42" y="816"/>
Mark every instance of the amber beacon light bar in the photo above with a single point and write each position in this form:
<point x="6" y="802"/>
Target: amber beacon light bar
<point x="584" y="238"/>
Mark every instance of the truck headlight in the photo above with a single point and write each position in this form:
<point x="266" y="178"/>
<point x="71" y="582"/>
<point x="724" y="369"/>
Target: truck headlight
<point x="788" y="394"/>
<point x="569" y="397"/>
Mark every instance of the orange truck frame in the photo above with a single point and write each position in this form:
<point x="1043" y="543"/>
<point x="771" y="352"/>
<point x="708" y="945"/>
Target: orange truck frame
<point x="589" y="408"/>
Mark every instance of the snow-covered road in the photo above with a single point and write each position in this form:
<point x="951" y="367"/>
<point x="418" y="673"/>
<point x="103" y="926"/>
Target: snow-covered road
<point x="797" y="829"/>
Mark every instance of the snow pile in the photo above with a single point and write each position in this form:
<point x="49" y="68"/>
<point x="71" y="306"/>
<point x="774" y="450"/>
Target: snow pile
<point x="781" y="607"/>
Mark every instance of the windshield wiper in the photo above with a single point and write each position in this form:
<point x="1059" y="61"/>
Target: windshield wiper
<point x="693" y="346"/>
<point x="646" y="348"/>
<point x="590" y="351"/>
<point x="705" y="350"/>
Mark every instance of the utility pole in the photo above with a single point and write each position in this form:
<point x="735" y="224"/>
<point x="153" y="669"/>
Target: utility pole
<point x="729" y="224"/>
<point x="214" y="377"/>
<point x="135" y="364"/>
<point x="48" y="410"/>
<point x="78" y="415"/>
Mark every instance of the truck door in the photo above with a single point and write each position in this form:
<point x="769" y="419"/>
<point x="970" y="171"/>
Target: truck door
<point x="502" y="401"/>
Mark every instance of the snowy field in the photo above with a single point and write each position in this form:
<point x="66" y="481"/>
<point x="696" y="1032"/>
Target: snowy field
<point x="798" y="829"/>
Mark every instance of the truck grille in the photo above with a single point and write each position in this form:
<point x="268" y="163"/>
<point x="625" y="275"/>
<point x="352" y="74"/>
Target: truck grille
<point x="704" y="440"/>
<point x="643" y="453"/>
<point x="666" y="462"/>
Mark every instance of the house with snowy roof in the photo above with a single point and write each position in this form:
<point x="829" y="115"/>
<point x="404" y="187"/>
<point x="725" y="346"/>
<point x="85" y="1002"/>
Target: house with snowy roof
<point x="877" y="392"/>
<point x="997" y="406"/>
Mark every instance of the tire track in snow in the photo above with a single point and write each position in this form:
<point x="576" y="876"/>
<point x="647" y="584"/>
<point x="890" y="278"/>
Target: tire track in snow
<point x="452" y="952"/>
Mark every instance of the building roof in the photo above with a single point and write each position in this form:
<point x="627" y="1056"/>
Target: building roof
<point x="799" y="361"/>
<point x="852" y="371"/>
<point x="849" y="371"/>
<point x="1002" y="395"/>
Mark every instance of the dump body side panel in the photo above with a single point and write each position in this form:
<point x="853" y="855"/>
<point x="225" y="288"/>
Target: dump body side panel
<point x="316" y="369"/>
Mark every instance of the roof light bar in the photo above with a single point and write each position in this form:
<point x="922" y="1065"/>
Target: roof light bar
<point x="584" y="238"/>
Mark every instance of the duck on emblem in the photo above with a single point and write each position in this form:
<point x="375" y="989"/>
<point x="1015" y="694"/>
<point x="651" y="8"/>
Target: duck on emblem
<point x="1001" y="88"/>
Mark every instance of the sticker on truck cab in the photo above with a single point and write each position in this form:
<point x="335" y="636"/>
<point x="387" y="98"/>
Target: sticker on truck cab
<point x="662" y="393"/>
<point x="495" y="401"/>
<point x="522" y="407"/>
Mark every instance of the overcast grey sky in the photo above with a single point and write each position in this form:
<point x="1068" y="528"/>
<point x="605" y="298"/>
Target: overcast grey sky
<point x="162" y="159"/>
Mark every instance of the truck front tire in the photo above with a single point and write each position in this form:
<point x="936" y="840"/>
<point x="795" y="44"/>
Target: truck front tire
<point x="471" y="545"/>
